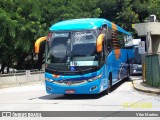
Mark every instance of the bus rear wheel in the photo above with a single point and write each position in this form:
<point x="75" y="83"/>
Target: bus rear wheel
<point x="128" y="74"/>
<point x="110" y="83"/>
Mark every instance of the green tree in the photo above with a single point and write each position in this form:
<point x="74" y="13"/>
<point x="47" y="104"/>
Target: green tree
<point x="28" y="14"/>
<point x="154" y="8"/>
<point x="55" y="11"/>
<point x="22" y="22"/>
<point x="124" y="12"/>
<point x="7" y="35"/>
<point x="140" y="7"/>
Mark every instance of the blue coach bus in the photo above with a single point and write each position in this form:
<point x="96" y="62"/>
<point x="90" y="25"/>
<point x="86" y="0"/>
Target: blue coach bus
<point x="85" y="56"/>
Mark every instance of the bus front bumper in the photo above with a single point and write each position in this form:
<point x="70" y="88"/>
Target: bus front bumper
<point x="93" y="87"/>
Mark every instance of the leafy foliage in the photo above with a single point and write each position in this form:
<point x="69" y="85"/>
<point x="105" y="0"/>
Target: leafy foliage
<point x="154" y="8"/>
<point x="23" y="21"/>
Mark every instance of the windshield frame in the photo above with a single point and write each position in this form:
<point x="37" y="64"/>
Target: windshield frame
<point x="48" y="66"/>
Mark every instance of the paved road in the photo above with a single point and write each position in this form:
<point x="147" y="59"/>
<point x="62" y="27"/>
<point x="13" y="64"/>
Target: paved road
<point x="122" y="98"/>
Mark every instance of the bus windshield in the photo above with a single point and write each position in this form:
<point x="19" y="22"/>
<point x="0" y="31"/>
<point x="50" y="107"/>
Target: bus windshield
<point x="67" y="49"/>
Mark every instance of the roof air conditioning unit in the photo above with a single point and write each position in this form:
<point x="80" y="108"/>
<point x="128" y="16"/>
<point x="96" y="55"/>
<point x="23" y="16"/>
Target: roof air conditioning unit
<point x="152" y="18"/>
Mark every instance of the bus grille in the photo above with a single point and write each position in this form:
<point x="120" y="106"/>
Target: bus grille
<point x="70" y="83"/>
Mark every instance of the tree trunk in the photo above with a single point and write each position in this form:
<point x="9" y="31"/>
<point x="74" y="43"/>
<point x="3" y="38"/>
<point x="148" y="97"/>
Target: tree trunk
<point x="21" y="62"/>
<point x="3" y="65"/>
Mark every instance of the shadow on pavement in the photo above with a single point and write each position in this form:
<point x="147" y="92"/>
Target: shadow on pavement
<point x="71" y="97"/>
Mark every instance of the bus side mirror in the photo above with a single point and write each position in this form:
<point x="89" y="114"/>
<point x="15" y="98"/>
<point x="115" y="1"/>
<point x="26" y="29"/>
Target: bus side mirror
<point x="37" y="43"/>
<point x="100" y="42"/>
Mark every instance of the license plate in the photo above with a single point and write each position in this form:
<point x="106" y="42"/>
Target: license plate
<point x="70" y="91"/>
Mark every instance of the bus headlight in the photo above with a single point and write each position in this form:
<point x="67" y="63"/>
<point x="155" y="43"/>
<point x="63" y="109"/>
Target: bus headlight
<point x="49" y="80"/>
<point x="94" y="78"/>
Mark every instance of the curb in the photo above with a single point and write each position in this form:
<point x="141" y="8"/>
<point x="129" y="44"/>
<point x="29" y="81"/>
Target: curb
<point x="142" y="88"/>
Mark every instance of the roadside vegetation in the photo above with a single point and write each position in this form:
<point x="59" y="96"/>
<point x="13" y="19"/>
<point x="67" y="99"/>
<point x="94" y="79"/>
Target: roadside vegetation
<point x="23" y="21"/>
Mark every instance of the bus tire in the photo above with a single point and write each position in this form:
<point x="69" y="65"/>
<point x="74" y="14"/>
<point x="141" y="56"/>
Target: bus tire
<point x="106" y="92"/>
<point x="110" y="83"/>
<point x="128" y="74"/>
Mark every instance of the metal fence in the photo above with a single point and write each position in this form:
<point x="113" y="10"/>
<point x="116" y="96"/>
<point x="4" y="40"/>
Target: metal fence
<point x="20" y="77"/>
<point x="153" y="70"/>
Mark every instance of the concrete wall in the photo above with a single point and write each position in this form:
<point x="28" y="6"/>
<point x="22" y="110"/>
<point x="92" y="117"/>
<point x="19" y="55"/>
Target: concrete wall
<point x="143" y="28"/>
<point x="21" y="79"/>
<point x="150" y="29"/>
<point x="156" y="43"/>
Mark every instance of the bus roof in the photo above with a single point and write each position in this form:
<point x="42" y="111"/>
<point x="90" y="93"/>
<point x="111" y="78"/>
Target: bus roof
<point x="85" y="24"/>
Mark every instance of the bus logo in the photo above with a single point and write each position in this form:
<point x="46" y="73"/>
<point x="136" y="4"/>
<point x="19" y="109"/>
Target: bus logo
<point x="69" y="83"/>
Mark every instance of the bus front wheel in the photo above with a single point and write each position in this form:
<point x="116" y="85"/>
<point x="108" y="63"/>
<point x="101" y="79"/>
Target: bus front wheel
<point x="110" y="82"/>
